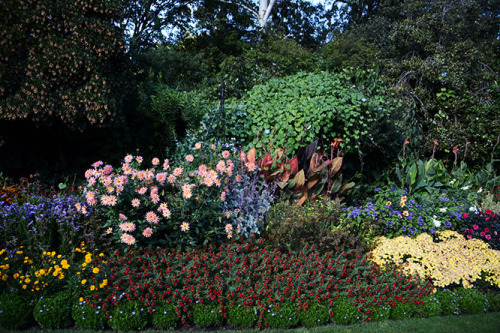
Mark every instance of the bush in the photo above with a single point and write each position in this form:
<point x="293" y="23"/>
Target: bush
<point x="54" y="312"/>
<point x="379" y="312"/>
<point x="494" y="301"/>
<point x="315" y="315"/>
<point x="207" y="315"/>
<point x="291" y="227"/>
<point x="473" y="260"/>
<point x="241" y="316"/>
<point x="484" y="226"/>
<point x="472" y="301"/>
<point x="129" y="316"/>
<point x="345" y="311"/>
<point x="88" y="317"/>
<point x="449" y="301"/>
<point x="16" y="311"/>
<point x="283" y="315"/>
<point x="431" y="306"/>
<point x="309" y="106"/>
<point x="164" y="316"/>
<point x="150" y="207"/>
<point x="403" y="310"/>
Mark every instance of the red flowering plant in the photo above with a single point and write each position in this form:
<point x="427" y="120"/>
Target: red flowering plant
<point x="484" y="226"/>
<point x="251" y="276"/>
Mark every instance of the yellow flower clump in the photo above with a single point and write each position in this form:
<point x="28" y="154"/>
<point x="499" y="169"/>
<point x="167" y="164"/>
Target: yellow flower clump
<point x="453" y="259"/>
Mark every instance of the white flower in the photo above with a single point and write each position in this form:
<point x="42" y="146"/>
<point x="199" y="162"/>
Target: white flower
<point x="453" y="181"/>
<point x="480" y="190"/>
<point x="443" y="210"/>
<point x="465" y="188"/>
<point x="473" y="209"/>
<point x="436" y="222"/>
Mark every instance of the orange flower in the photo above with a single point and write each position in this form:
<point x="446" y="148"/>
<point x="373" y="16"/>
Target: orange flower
<point x="435" y="142"/>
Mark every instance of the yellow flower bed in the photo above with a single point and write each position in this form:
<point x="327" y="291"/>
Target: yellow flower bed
<point x="452" y="259"/>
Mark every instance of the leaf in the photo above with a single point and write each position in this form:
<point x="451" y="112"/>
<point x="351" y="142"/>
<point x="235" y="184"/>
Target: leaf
<point x="336" y="165"/>
<point x="303" y="199"/>
<point x="299" y="179"/>
<point x="294" y="166"/>
<point x="347" y="186"/>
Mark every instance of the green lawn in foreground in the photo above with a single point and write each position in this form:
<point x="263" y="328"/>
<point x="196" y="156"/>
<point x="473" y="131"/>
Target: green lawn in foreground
<point x="481" y="323"/>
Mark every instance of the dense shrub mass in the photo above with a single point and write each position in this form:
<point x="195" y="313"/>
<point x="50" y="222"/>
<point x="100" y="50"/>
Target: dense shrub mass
<point x="451" y="260"/>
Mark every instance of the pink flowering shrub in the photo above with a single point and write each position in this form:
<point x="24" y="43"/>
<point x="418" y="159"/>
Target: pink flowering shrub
<point x="156" y="203"/>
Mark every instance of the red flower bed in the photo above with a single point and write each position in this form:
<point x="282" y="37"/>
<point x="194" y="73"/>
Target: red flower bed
<point x="253" y="275"/>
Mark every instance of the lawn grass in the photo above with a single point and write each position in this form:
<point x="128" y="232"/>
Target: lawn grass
<point x="480" y="323"/>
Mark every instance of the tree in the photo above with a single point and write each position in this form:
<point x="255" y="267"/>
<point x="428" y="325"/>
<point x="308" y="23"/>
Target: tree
<point x="147" y="21"/>
<point x="61" y="60"/>
<point x="262" y="14"/>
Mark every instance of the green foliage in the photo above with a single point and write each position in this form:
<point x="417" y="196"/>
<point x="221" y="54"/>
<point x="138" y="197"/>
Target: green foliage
<point x="206" y="315"/>
<point x="494" y="301"/>
<point x="164" y="316"/>
<point x="273" y="57"/>
<point x="345" y="311"/>
<point x="380" y="312"/>
<point x="284" y="315"/>
<point x="348" y="50"/>
<point x="489" y="202"/>
<point x="241" y="316"/>
<point x="309" y="106"/>
<point x="450" y="302"/>
<point x="171" y="112"/>
<point x="403" y="310"/>
<point x="88" y="317"/>
<point x="291" y="227"/>
<point x="472" y="301"/>
<point x="431" y="306"/>
<point x="16" y="311"/>
<point x="129" y="316"/>
<point x="432" y="176"/>
<point x="54" y="311"/>
<point x="315" y="315"/>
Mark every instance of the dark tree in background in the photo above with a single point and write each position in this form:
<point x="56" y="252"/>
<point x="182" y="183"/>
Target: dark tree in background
<point x="61" y="60"/>
<point x="63" y="67"/>
<point x="148" y="22"/>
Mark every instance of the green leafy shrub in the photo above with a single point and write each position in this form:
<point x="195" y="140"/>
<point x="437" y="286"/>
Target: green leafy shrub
<point x="283" y="315"/>
<point x="450" y="302"/>
<point x="403" y="310"/>
<point x="431" y="306"/>
<point x="129" y="316"/>
<point x="380" y="312"/>
<point x="345" y="311"/>
<point x="241" y="316"/>
<point x="472" y="301"/>
<point x="54" y="312"/>
<point x="315" y="315"/>
<point x="207" y="315"/>
<point x="291" y="227"/>
<point x="16" y="311"/>
<point x="164" y="317"/>
<point x="309" y="106"/>
<point x="88" y="317"/>
<point x="494" y="301"/>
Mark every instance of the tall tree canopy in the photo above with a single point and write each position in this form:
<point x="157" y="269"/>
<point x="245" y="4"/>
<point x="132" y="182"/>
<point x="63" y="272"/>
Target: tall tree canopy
<point x="61" y="59"/>
<point x="147" y="22"/>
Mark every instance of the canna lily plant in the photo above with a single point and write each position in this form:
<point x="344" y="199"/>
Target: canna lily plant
<point x="308" y="175"/>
